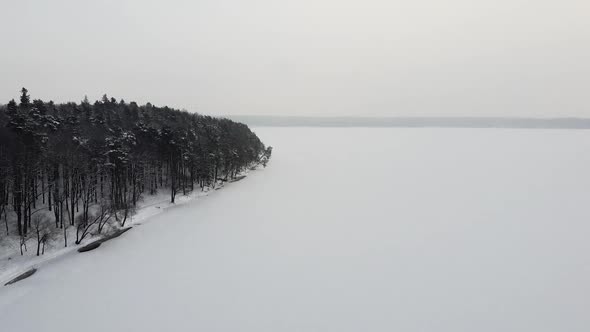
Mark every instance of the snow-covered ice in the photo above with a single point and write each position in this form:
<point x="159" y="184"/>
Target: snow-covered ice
<point x="456" y="230"/>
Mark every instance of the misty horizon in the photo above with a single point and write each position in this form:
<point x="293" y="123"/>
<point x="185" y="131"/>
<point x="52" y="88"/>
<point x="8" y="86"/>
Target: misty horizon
<point x="414" y="122"/>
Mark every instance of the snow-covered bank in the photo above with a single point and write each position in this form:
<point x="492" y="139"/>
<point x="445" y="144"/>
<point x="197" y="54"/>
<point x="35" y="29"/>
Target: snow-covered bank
<point x="12" y="263"/>
<point x="410" y="230"/>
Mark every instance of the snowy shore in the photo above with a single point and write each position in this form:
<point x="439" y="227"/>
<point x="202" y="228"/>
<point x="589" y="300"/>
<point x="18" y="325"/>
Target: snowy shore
<point x="13" y="264"/>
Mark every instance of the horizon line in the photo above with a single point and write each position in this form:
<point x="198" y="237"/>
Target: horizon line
<point x="414" y="122"/>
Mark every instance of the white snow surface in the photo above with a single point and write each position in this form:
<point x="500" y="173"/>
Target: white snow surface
<point x="354" y="229"/>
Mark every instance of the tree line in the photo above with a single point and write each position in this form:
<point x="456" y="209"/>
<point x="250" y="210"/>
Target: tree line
<point x="87" y="165"/>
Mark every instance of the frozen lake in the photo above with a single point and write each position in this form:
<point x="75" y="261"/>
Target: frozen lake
<point x="454" y="230"/>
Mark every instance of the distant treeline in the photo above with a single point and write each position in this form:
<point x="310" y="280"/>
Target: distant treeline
<point x="90" y="163"/>
<point x="414" y="122"/>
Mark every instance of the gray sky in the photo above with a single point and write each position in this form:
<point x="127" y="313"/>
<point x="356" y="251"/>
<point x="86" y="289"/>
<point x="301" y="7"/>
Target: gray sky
<point x="305" y="57"/>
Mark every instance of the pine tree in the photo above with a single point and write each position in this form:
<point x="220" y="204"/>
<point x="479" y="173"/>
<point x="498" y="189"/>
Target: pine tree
<point x="25" y="99"/>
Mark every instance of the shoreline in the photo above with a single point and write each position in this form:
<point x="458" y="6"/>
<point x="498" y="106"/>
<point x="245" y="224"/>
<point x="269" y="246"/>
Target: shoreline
<point x="13" y="265"/>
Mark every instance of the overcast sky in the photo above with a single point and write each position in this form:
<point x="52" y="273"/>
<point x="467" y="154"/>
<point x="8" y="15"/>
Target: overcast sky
<point x="305" y="57"/>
